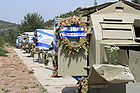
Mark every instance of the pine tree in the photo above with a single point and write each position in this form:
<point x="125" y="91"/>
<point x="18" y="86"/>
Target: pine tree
<point x="31" y="22"/>
<point x="136" y="1"/>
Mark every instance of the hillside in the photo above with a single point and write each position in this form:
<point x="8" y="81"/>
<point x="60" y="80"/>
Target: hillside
<point x="8" y="32"/>
<point x="5" y="26"/>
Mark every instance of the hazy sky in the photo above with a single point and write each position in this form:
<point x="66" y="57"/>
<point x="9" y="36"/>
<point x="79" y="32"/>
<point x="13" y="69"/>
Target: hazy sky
<point x="15" y="10"/>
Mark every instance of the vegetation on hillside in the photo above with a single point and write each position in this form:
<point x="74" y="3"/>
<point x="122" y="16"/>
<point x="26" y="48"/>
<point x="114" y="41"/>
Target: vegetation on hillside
<point x="7" y="25"/>
<point x="136" y="1"/>
<point x="8" y="32"/>
<point x="2" y="51"/>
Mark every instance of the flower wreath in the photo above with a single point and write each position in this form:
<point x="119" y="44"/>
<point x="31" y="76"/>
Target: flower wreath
<point x="69" y="46"/>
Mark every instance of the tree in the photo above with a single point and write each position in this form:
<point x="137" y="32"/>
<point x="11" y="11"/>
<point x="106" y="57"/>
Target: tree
<point x="31" y="22"/>
<point x="136" y="1"/>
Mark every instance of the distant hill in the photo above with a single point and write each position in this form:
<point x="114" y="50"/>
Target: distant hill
<point x="8" y="32"/>
<point x="5" y="26"/>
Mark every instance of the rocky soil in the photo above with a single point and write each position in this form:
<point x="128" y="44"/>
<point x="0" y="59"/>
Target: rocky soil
<point x="15" y="77"/>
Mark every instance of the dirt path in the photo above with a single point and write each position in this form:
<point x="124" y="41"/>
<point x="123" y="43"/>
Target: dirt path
<point x="15" y="77"/>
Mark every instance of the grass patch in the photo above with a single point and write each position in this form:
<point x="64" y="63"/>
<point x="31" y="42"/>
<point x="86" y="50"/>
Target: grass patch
<point x="47" y="85"/>
<point x="12" y="76"/>
<point x="20" y="63"/>
<point x="44" y="90"/>
<point x="3" y="52"/>
<point x="6" y="90"/>
<point x="6" y="84"/>
<point x="31" y="72"/>
<point x="33" y="87"/>
<point x="25" y="87"/>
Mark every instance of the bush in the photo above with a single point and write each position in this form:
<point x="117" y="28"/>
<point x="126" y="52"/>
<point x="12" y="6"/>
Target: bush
<point x="31" y="22"/>
<point x="8" y="37"/>
<point x="3" y="52"/>
<point x="1" y="42"/>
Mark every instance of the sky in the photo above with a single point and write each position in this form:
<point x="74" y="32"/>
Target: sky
<point x="15" y="10"/>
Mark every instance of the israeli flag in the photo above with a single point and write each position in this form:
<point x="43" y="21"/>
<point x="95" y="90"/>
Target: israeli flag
<point x="72" y="31"/>
<point x="30" y="35"/>
<point x="17" y="41"/>
<point x="55" y="41"/>
<point x="45" y="38"/>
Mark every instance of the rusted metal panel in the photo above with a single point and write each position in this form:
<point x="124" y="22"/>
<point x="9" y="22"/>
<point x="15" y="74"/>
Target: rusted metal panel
<point x="110" y="73"/>
<point x="72" y="65"/>
<point x="134" y="63"/>
<point x="115" y="34"/>
<point x="120" y="42"/>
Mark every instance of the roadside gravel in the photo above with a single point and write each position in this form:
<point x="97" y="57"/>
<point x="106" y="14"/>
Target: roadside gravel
<point x="15" y="76"/>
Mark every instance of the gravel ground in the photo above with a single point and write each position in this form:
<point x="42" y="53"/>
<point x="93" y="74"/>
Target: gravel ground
<point x="15" y="77"/>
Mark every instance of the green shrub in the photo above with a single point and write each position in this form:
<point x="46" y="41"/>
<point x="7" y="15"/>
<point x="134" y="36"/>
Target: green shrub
<point x="3" y="52"/>
<point x="1" y="42"/>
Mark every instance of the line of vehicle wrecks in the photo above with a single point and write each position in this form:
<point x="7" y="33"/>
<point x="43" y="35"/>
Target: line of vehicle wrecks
<point x="102" y="47"/>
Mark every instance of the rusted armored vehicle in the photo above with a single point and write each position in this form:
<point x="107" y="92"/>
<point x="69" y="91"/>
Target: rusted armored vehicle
<point x="18" y="42"/>
<point x="25" y="41"/>
<point x="22" y="41"/>
<point x="29" y="41"/>
<point x="103" y="46"/>
<point x="42" y="47"/>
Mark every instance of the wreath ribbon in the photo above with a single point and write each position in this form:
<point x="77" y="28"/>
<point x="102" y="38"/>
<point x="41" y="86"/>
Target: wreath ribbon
<point x="72" y="47"/>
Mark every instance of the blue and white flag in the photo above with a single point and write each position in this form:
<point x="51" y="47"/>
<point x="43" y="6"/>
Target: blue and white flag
<point x="55" y="41"/>
<point x="30" y="35"/>
<point x="45" y="38"/>
<point x="72" y="31"/>
<point x="17" y="41"/>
